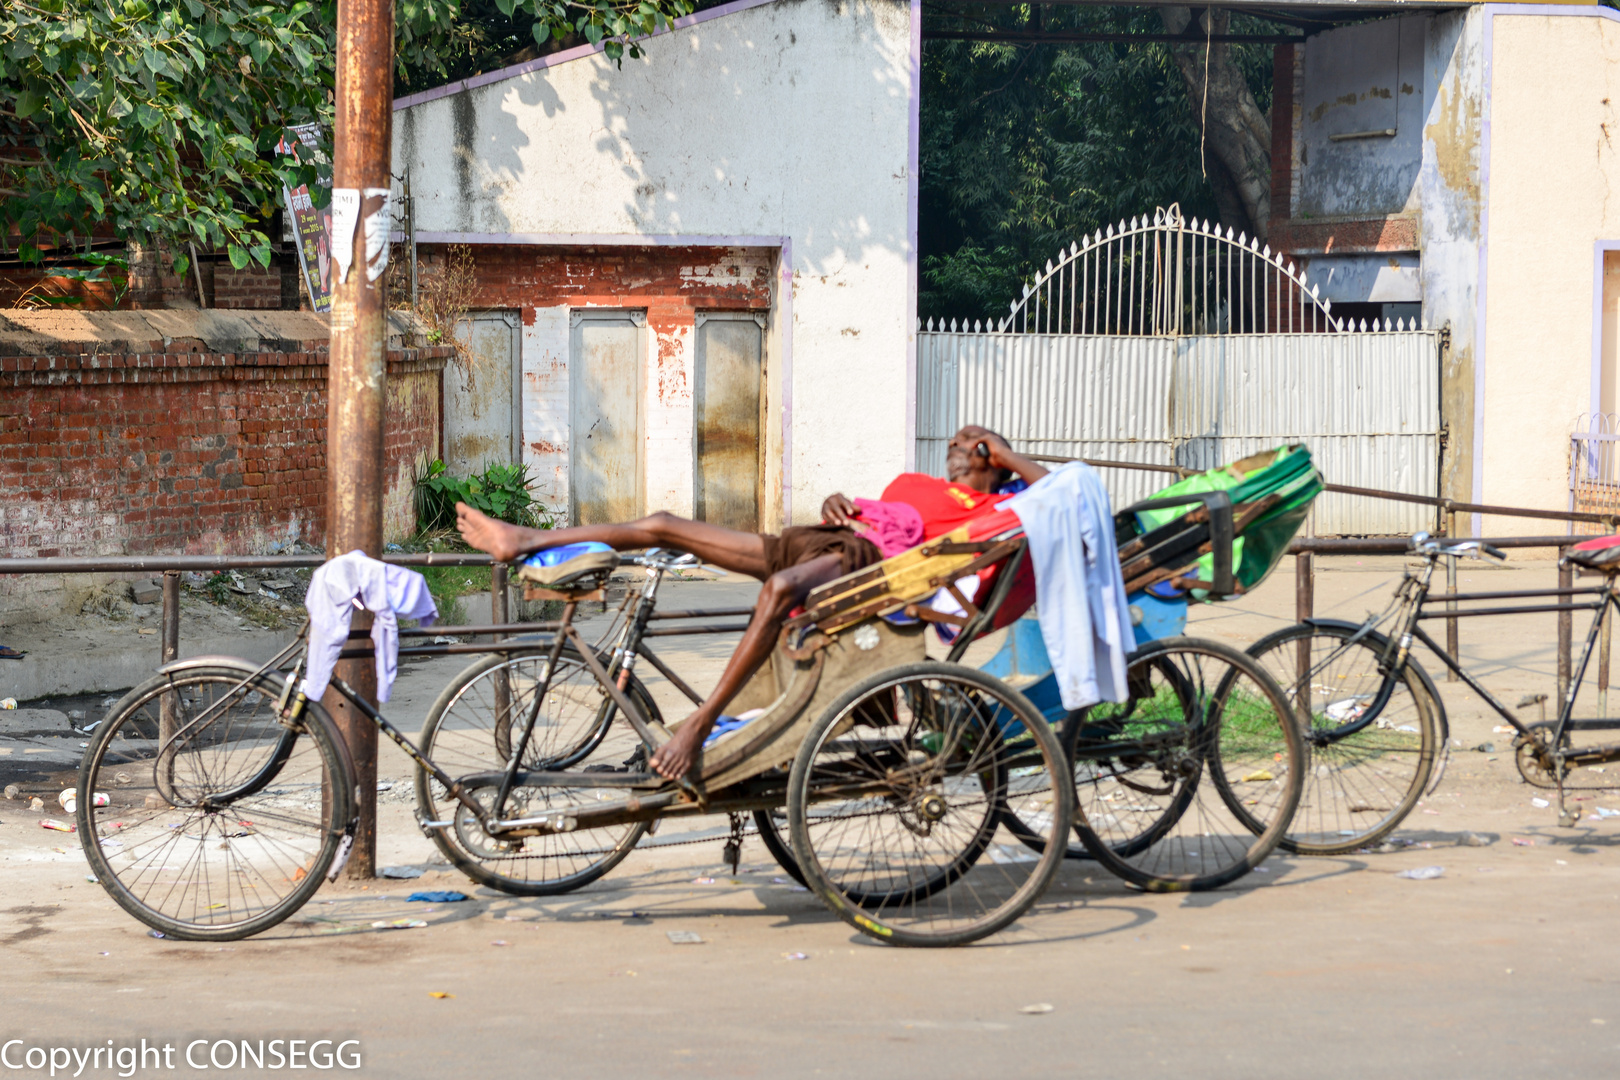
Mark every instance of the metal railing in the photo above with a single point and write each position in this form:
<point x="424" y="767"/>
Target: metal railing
<point x="1304" y="550"/>
<point x="172" y="566"/>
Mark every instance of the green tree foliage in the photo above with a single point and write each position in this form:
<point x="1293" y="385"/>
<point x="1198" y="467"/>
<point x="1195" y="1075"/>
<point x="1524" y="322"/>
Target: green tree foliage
<point x="1027" y="148"/>
<point x="152" y="118"/>
<point x="158" y="118"/>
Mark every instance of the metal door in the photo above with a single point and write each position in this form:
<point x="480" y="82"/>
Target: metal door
<point x="607" y="358"/>
<point x="726" y="407"/>
<point x="1170" y="342"/>
<point x="482" y="395"/>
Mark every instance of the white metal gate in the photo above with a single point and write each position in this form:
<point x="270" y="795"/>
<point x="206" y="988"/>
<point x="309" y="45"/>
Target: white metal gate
<point x="1173" y="343"/>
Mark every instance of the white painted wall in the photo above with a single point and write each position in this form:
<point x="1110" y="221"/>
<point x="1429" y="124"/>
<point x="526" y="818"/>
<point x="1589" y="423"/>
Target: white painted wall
<point x="1553" y="192"/>
<point x="785" y="120"/>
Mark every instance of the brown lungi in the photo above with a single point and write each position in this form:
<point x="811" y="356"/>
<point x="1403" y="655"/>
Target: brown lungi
<point x="801" y="543"/>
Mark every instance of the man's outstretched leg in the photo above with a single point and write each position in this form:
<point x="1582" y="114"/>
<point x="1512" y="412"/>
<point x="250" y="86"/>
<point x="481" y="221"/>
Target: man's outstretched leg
<point x="739" y="552"/>
<point x="783" y="591"/>
<point x="743" y="553"/>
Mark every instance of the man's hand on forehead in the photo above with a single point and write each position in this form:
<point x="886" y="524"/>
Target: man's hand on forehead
<point x="973" y="434"/>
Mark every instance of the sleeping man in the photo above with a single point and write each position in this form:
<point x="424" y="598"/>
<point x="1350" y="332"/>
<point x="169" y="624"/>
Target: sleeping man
<point x="854" y="534"/>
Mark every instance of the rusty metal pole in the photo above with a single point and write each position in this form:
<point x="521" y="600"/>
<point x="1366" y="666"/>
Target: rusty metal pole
<point x="170" y="649"/>
<point x="1605" y="639"/>
<point x="357" y="374"/>
<point x="171" y="616"/>
<point x="497" y="597"/>
<point x="1566" y="630"/>
<point x="1451" y="587"/>
<point x="1304" y="608"/>
<point x="498" y="616"/>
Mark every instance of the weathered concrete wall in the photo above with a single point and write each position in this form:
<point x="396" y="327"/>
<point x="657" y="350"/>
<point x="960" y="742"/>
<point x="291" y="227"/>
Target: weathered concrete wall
<point x="1554" y="152"/>
<point x="784" y="125"/>
<point x="1449" y="225"/>
<point x="1360" y="82"/>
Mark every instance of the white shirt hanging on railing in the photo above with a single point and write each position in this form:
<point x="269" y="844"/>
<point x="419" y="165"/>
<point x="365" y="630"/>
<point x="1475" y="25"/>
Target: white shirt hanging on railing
<point x="353" y="581"/>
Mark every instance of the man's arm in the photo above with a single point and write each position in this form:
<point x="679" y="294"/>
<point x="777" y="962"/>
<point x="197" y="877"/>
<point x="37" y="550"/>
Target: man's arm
<point x="1003" y="456"/>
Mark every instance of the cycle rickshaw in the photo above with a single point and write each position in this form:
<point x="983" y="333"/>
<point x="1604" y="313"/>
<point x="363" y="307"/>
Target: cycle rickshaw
<point x="926" y="802"/>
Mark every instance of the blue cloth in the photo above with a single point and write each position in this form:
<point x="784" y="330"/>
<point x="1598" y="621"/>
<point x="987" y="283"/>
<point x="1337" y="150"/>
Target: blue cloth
<point x="1085" y="619"/>
<point x="724" y="725"/>
<point x="437" y="897"/>
<point x="559" y="555"/>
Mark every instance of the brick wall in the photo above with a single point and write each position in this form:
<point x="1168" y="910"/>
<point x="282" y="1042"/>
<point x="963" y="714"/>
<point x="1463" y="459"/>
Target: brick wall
<point x="254" y="288"/>
<point x="187" y="452"/>
<point x="153" y="284"/>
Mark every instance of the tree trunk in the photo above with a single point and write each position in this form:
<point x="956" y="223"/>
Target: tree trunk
<point x="1236" y="133"/>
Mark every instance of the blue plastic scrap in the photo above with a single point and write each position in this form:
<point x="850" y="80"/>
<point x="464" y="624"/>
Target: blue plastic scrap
<point x="437" y="897"/>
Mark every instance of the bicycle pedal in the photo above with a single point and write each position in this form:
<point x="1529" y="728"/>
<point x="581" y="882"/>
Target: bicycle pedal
<point x="1568" y="818"/>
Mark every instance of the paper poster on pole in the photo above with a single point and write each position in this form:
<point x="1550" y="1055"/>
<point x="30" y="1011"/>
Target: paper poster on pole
<point x="312" y="228"/>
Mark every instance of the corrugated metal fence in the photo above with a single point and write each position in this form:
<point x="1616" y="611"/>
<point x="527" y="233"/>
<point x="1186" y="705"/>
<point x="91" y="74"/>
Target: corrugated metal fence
<point x="1366" y="403"/>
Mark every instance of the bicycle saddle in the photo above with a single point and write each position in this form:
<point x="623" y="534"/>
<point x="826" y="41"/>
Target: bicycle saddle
<point x="570" y="567"/>
<point x="1601" y="553"/>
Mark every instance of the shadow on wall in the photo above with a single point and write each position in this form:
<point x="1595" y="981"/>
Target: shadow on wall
<point x="745" y="125"/>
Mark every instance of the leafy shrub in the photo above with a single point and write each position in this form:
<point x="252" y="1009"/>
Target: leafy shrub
<point x="501" y="491"/>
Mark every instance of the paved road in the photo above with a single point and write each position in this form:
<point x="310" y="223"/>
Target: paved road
<point x="1506" y="966"/>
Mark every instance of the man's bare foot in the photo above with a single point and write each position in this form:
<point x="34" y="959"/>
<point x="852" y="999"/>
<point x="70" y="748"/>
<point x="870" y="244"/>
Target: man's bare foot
<point x="486" y="534"/>
<point x="674" y="759"/>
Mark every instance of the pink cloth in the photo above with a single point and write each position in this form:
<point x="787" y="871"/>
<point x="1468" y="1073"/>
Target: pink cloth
<point x="893" y="526"/>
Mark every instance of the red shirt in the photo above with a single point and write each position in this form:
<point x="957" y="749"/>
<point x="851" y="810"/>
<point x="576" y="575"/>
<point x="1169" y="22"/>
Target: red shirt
<point x="943" y="505"/>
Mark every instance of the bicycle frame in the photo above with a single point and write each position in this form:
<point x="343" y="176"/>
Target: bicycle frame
<point x="612" y="677"/>
<point x="1411" y="598"/>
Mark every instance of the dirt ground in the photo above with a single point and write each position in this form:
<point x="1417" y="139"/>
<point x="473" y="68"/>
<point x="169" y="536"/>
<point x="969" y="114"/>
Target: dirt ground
<point x="1504" y="966"/>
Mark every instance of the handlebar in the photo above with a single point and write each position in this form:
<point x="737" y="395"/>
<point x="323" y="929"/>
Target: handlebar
<point x="660" y="559"/>
<point x="1423" y="544"/>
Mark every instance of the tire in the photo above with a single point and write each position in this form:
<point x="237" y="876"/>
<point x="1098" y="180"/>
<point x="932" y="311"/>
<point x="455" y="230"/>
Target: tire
<point x="773" y="826"/>
<point x="1127" y="808"/>
<point x="1207" y="758"/>
<point x="1362" y="784"/>
<point x="901" y="786"/>
<point x="228" y="826"/>
<point x="469" y="730"/>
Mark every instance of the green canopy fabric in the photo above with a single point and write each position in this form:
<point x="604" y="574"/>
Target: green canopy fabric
<point x="1287" y="472"/>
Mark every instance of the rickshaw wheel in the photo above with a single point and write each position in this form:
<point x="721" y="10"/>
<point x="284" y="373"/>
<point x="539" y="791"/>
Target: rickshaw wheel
<point x="1153" y="797"/>
<point x="1363" y="781"/>
<point x="899" y="790"/>
<point x="470" y="730"/>
<point x="225" y="827"/>
<point x="773" y="833"/>
<point x="1208" y="727"/>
